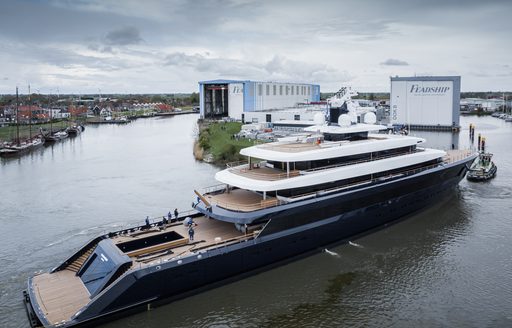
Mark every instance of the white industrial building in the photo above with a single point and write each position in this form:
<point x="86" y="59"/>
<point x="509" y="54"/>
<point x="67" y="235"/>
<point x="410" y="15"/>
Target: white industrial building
<point x="487" y="105"/>
<point x="425" y="102"/>
<point x="234" y="98"/>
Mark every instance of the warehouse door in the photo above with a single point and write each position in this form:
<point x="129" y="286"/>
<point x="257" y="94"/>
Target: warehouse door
<point x="215" y="100"/>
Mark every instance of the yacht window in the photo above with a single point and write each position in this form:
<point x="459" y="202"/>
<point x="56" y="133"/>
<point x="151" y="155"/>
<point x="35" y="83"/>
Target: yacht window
<point x="97" y="269"/>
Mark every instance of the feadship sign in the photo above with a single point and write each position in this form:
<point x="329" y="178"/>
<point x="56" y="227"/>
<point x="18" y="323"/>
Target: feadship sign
<point x="419" y="89"/>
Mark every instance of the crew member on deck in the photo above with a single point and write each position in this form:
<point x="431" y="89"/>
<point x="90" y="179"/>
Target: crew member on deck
<point x="147" y="221"/>
<point x="191" y="232"/>
<point x="176" y="214"/>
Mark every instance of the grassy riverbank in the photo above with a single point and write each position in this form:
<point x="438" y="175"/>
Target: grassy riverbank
<point x="217" y="139"/>
<point x="8" y="133"/>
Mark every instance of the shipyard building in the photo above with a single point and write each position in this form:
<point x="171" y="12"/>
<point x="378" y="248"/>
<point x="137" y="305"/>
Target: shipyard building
<point x="425" y="102"/>
<point x="236" y="98"/>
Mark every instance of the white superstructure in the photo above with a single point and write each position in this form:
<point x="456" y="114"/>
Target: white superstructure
<point x="326" y="159"/>
<point x="238" y="177"/>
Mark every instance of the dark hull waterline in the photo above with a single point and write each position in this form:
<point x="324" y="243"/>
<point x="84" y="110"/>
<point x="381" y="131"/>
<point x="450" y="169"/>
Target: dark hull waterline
<point x="154" y="285"/>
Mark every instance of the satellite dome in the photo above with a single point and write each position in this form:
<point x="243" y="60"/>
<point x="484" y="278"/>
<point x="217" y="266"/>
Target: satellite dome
<point x="336" y="103"/>
<point x="319" y="119"/>
<point x="370" y="118"/>
<point x="353" y="117"/>
<point x="344" y="120"/>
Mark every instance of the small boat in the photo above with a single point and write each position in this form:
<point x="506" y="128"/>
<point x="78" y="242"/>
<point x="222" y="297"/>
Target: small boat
<point x="483" y="168"/>
<point x="16" y="149"/>
<point x="57" y="136"/>
<point x="75" y="130"/>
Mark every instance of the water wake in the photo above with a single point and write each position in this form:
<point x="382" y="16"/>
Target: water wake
<point x="331" y="252"/>
<point x="355" y="244"/>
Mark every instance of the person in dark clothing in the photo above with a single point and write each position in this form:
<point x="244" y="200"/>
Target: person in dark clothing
<point x="147" y="222"/>
<point x="191" y="233"/>
<point x="169" y="215"/>
<point x="176" y="213"/>
<point x="164" y="220"/>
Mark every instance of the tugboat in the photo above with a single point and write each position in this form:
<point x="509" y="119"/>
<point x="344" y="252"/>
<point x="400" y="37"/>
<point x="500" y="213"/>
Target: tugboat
<point x="483" y="168"/>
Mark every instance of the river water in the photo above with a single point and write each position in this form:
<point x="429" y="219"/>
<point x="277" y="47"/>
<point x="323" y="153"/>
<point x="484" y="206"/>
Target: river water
<point x="449" y="266"/>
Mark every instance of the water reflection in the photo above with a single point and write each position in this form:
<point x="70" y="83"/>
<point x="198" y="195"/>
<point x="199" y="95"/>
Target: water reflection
<point x="446" y="266"/>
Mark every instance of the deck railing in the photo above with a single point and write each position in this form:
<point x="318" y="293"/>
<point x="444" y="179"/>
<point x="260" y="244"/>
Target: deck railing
<point x="235" y="167"/>
<point x="371" y="159"/>
<point x="234" y="206"/>
<point x="450" y="157"/>
<point x="456" y="155"/>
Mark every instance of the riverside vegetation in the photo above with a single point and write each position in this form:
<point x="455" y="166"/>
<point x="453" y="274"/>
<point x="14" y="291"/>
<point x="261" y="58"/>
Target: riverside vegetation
<point x="216" y="140"/>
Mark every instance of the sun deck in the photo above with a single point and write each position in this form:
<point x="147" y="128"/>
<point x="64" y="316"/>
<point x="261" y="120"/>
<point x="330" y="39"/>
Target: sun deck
<point x="456" y="155"/>
<point x="208" y="233"/>
<point x="241" y="200"/>
<point x="60" y="294"/>
<point x="294" y="147"/>
<point x="263" y="173"/>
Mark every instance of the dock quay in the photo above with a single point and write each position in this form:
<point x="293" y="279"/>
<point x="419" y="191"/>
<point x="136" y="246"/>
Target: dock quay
<point x="120" y="121"/>
<point x="445" y="128"/>
<point x="176" y="113"/>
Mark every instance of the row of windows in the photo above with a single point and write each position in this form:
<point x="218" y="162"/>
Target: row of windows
<point x="321" y="163"/>
<point x="345" y="182"/>
<point x="299" y="90"/>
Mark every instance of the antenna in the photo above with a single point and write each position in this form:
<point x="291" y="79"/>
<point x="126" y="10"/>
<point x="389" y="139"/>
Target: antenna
<point x="17" y="119"/>
<point x="29" y="112"/>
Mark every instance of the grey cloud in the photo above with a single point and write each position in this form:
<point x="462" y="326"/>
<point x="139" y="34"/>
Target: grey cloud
<point x="123" y="36"/>
<point x="394" y="62"/>
<point x="220" y="66"/>
<point x="480" y="74"/>
<point x="102" y="49"/>
<point x="93" y="47"/>
<point x="67" y="58"/>
<point x="6" y="78"/>
<point x="44" y="22"/>
<point x="278" y="68"/>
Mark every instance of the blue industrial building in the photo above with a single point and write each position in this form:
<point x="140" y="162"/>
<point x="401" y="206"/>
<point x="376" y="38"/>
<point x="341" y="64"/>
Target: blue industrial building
<point x="232" y="98"/>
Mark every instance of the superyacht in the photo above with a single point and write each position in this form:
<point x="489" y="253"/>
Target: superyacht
<point x="290" y="198"/>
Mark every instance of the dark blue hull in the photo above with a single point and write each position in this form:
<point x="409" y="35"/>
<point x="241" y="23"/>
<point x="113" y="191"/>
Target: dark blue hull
<point x="291" y="233"/>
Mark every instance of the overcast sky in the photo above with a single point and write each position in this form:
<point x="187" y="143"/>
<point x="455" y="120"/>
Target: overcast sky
<point x="134" y="46"/>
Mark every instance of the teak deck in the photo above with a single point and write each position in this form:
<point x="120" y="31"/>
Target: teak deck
<point x="241" y="200"/>
<point x="208" y="232"/>
<point x="456" y="154"/>
<point x="60" y="294"/>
